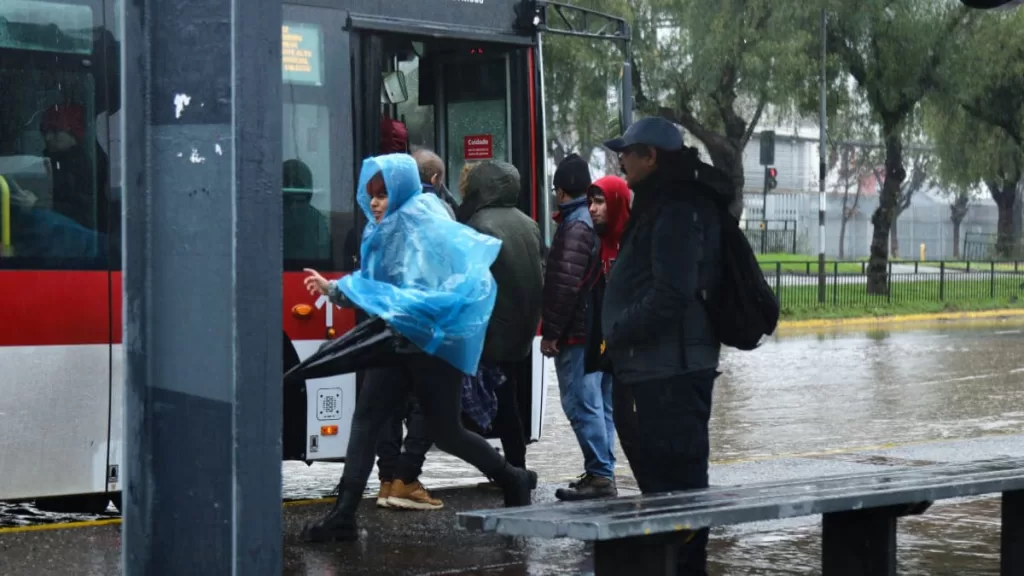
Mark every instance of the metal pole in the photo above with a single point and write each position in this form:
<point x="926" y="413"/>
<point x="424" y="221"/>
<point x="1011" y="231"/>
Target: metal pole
<point x="764" y="213"/>
<point x="822" y="169"/>
<point x="202" y="286"/>
<point x="545" y="194"/>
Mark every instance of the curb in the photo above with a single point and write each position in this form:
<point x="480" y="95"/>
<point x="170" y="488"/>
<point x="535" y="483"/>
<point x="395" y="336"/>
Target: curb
<point x="902" y="318"/>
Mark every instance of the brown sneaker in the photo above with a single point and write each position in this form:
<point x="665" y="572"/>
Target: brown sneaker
<point x="382" y="496"/>
<point x="412" y="497"/>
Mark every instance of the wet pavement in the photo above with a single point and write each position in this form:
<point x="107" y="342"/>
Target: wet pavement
<point x="955" y="538"/>
<point x="804" y="405"/>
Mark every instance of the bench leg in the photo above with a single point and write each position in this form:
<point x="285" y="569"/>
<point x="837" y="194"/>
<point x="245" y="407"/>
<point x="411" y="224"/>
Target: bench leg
<point x="1013" y="534"/>
<point x="653" y="555"/>
<point x="859" y="542"/>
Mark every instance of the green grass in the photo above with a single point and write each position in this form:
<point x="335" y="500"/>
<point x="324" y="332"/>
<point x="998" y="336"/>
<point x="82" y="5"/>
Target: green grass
<point x="901" y="309"/>
<point x="803" y="264"/>
<point x="906" y="297"/>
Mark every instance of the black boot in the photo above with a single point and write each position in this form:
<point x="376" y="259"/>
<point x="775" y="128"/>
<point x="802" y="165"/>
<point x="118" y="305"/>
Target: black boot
<point x="339" y="524"/>
<point x="517" y="483"/>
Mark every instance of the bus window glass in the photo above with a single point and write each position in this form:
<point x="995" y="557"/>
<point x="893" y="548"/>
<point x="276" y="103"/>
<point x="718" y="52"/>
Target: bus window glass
<point x="477" y="113"/>
<point x="45" y="26"/>
<point x="53" y="211"/>
<point x="306" y="147"/>
<point x="306" y="182"/>
<point x="419" y="119"/>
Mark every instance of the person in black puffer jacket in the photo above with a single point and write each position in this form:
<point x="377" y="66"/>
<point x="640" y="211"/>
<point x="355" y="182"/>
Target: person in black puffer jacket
<point x="659" y="336"/>
<point x="489" y="205"/>
<point x="573" y="268"/>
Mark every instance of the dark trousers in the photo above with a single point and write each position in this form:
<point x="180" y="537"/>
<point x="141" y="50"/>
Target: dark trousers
<point x="508" y="422"/>
<point x="626" y="426"/>
<point x="393" y="462"/>
<point x="438" y="388"/>
<point x="673" y="447"/>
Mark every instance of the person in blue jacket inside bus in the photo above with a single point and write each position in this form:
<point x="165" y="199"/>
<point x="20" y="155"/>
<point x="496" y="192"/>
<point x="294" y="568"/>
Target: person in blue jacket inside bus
<point x="429" y="278"/>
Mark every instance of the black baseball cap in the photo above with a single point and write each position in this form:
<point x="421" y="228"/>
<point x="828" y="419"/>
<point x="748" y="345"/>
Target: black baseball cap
<point x="654" y="131"/>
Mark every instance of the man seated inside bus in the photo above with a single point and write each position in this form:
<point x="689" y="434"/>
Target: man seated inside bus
<point x="437" y="383"/>
<point x="306" y="230"/>
<point x="79" y="177"/>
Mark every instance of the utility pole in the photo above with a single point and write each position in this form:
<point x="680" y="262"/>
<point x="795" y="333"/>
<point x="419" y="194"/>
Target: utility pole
<point x="201" y="145"/>
<point x="767" y="140"/>
<point x="822" y="166"/>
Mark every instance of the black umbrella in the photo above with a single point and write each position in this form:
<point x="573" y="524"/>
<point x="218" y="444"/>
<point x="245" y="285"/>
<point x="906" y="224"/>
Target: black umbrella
<point x="370" y="344"/>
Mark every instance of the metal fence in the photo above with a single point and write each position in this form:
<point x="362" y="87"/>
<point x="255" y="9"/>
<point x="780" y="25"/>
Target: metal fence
<point x="771" y="237"/>
<point x="796" y="283"/>
<point x="980" y="246"/>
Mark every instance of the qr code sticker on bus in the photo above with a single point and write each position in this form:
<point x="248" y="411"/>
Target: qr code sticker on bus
<point x="328" y="404"/>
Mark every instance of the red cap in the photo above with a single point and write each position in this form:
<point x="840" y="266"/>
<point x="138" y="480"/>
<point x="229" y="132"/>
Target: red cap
<point x="68" y="118"/>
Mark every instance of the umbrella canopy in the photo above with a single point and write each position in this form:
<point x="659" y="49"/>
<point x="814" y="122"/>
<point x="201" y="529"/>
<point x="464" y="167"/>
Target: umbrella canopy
<point x="370" y="344"/>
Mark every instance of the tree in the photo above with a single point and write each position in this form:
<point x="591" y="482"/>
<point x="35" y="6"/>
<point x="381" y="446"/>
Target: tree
<point x="850" y="177"/>
<point x="977" y="119"/>
<point x="921" y="172"/>
<point x="715" y="68"/>
<point x="893" y="50"/>
<point x="958" y="208"/>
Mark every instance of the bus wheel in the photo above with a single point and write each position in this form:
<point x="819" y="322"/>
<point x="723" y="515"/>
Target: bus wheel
<point x="81" y="504"/>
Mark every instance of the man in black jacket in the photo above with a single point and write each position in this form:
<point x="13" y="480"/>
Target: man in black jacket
<point x="490" y="207"/>
<point x="659" y="337"/>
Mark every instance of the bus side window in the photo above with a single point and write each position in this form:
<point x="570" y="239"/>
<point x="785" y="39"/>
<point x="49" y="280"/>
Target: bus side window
<point x="55" y="170"/>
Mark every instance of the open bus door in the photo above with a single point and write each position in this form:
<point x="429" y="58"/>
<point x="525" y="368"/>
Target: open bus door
<point x="469" y="96"/>
<point x="546" y="17"/>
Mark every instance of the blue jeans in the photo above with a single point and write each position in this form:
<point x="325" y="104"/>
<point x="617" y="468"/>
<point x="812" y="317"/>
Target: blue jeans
<point x="587" y="402"/>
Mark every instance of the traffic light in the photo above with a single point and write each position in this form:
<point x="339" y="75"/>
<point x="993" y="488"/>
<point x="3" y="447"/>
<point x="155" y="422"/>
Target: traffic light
<point x="770" y="177"/>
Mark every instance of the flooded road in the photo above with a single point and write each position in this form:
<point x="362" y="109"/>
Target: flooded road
<point x="811" y="393"/>
<point x="803" y="405"/>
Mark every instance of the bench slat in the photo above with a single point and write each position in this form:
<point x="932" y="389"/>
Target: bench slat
<point x="643" y="515"/>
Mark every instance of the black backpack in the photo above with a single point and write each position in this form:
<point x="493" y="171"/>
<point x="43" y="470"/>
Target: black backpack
<point x="744" y="308"/>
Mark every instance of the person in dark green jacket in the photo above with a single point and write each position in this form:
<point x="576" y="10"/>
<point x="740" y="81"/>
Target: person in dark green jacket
<point x="490" y="206"/>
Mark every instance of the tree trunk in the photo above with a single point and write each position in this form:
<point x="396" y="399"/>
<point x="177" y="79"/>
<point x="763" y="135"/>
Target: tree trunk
<point x="729" y="159"/>
<point x="1004" y="227"/>
<point x="842" y="238"/>
<point x="957" y="213"/>
<point x="894" y="237"/>
<point x="888" y="201"/>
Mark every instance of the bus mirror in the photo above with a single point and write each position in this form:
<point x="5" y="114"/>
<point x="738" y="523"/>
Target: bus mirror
<point x="395" y="90"/>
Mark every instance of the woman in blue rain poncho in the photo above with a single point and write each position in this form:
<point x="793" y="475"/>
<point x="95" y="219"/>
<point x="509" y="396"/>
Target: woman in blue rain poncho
<point x="428" y="277"/>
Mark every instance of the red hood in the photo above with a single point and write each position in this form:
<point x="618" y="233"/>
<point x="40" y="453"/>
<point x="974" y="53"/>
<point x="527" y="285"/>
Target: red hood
<point x="617" y="197"/>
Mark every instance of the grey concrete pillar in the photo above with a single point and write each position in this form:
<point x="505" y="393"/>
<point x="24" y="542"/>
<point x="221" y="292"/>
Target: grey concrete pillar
<point x="202" y="287"/>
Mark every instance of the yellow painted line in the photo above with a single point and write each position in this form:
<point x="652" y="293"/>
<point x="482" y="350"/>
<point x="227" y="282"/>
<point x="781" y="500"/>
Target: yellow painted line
<point x="116" y="521"/>
<point x="901" y="318"/>
<point x="59" y="526"/>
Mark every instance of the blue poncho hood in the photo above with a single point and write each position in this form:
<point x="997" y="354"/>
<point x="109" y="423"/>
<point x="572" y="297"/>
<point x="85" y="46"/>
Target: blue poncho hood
<point x="425" y="274"/>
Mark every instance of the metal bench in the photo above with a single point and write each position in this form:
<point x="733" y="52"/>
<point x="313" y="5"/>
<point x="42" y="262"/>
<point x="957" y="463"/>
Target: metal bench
<point x="638" y="535"/>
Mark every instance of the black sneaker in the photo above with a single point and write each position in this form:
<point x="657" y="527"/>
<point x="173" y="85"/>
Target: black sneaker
<point x="588" y="487"/>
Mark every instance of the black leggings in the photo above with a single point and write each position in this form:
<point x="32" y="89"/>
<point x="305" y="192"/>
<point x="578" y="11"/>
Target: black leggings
<point x="438" y="388"/>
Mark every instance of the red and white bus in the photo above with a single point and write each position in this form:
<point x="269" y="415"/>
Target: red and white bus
<point x="463" y="75"/>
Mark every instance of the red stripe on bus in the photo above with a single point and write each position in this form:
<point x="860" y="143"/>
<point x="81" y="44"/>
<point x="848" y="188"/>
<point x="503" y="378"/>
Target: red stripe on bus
<point x="41" y="308"/>
<point x="66" y="308"/>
